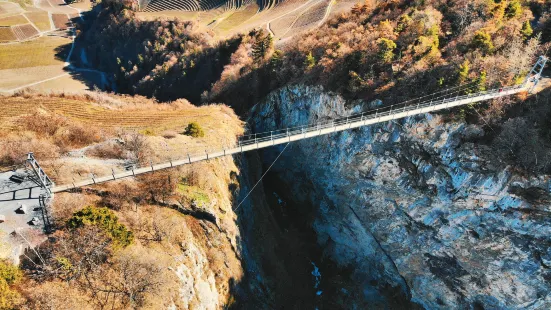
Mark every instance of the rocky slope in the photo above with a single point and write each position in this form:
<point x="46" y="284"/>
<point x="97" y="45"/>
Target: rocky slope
<point x="416" y="210"/>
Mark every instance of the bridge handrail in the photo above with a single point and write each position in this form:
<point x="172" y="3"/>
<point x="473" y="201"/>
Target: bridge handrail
<point x="293" y="134"/>
<point x="383" y="111"/>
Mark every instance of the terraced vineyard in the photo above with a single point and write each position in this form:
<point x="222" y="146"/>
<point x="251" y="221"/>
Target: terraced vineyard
<point x="24" y="32"/>
<point x="61" y="21"/>
<point x="184" y="5"/>
<point x="6" y="34"/>
<point x="284" y="18"/>
<point x="40" y="19"/>
<point x="13" y="20"/>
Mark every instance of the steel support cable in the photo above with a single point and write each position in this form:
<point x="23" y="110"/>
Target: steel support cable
<point x="262" y="177"/>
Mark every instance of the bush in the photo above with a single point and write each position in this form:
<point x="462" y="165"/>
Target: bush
<point x="9" y="275"/>
<point x="106" y="220"/>
<point x="194" y="130"/>
<point x="43" y="123"/>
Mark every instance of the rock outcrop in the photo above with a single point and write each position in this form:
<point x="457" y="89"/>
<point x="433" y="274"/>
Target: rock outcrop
<point x="416" y="205"/>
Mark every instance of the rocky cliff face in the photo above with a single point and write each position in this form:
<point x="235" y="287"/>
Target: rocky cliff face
<point x="417" y="207"/>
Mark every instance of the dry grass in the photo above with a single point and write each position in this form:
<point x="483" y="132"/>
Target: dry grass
<point x="13" y="20"/>
<point x="39" y="52"/>
<point x="6" y="34"/>
<point x="40" y="19"/>
<point x="168" y="14"/>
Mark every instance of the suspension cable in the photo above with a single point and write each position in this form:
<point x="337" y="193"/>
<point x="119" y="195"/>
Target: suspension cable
<point x="262" y="177"/>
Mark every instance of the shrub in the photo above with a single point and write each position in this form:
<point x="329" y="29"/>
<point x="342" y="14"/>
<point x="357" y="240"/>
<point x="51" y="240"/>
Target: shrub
<point x="107" y="150"/>
<point x="169" y="134"/>
<point x="9" y="275"/>
<point x="194" y="130"/>
<point x="14" y="149"/>
<point x="106" y="220"/>
<point x="42" y="123"/>
<point x="77" y="135"/>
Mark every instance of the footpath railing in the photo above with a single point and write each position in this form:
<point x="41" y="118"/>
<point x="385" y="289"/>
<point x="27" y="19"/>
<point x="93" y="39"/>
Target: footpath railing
<point x="265" y="139"/>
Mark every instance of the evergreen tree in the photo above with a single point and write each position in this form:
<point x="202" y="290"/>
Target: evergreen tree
<point x="263" y="44"/>
<point x="483" y="41"/>
<point x="526" y="30"/>
<point x="276" y="60"/>
<point x="310" y="61"/>
<point x="481" y="81"/>
<point x="464" y="71"/>
<point x="513" y="9"/>
<point x="386" y="50"/>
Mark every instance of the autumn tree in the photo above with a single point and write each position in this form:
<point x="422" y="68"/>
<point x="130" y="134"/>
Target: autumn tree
<point x="404" y="22"/>
<point x="158" y="186"/>
<point x="129" y="279"/>
<point x="481" y="81"/>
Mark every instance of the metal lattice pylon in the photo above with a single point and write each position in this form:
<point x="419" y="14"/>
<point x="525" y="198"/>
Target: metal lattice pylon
<point x="535" y="74"/>
<point x="44" y="181"/>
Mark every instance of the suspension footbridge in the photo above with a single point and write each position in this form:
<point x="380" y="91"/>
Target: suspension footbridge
<point x="449" y="98"/>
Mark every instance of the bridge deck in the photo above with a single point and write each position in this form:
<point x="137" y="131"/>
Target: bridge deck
<point x="295" y="134"/>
